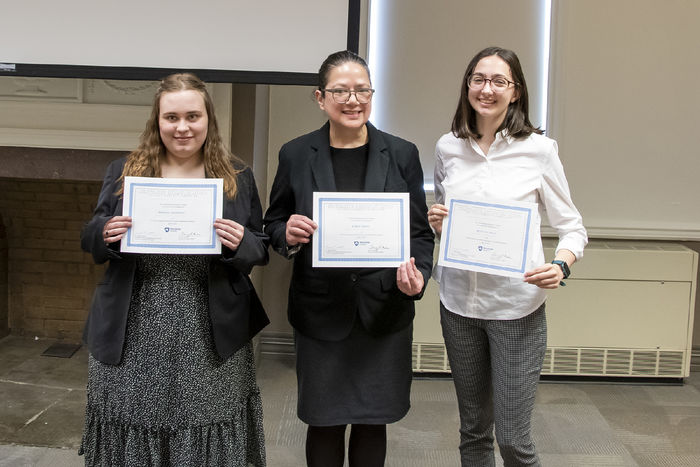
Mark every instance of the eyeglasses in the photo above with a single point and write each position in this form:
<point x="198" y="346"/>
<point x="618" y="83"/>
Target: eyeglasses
<point x="341" y="96"/>
<point x="498" y="83"/>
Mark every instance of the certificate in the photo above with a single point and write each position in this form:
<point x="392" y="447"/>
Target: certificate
<point x="361" y="230"/>
<point x="172" y="215"/>
<point x="490" y="237"/>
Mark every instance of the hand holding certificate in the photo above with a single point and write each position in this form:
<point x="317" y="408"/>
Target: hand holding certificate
<point x="361" y="229"/>
<point x="173" y="216"/>
<point x="487" y="236"/>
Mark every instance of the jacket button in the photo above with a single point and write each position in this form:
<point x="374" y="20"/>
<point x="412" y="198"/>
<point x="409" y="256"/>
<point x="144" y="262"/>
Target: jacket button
<point x="353" y="277"/>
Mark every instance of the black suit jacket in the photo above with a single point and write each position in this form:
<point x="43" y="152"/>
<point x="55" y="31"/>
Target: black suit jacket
<point x="234" y="308"/>
<point x="324" y="302"/>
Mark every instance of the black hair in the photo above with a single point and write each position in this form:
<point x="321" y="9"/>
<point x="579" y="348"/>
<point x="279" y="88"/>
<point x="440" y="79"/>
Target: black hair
<point x="337" y="59"/>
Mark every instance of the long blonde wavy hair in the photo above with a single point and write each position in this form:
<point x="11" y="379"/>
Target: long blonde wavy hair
<point x="144" y="161"/>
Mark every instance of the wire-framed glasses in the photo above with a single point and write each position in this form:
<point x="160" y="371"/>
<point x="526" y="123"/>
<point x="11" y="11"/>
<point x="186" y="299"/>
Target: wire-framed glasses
<point x="341" y="96"/>
<point x="498" y="83"/>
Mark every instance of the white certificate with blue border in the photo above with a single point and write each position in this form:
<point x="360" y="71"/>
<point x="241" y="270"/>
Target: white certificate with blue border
<point x="369" y="230"/>
<point x="488" y="236"/>
<point x="172" y="215"/>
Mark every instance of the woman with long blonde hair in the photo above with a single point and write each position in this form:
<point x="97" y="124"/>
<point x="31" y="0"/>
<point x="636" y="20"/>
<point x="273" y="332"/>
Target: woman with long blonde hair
<point x="171" y="373"/>
<point x="145" y="161"/>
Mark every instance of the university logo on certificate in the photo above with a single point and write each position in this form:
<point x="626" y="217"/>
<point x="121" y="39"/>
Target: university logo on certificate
<point x="172" y="215"/>
<point x="361" y="230"/>
<point x="488" y="236"/>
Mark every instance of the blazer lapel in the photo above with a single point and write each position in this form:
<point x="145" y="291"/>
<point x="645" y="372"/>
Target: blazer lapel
<point x="377" y="162"/>
<point x="321" y="163"/>
<point x="119" y="208"/>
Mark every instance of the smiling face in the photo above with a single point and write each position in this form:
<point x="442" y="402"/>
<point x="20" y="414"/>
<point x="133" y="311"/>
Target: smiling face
<point x="490" y="106"/>
<point x="183" y="124"/>
<point x="352" y="115"/>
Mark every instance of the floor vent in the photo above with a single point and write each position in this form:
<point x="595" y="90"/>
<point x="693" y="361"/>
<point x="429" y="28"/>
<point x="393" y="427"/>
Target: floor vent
<point x="577" y="361"/>
<point x="430" y="358"/>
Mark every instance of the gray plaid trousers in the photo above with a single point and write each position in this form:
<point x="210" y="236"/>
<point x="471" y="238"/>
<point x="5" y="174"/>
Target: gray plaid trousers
<point x="496" y="366"/>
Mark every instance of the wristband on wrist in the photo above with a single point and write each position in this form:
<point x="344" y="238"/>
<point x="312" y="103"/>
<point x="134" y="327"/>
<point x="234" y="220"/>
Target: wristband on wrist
<point x="564" y="269"/>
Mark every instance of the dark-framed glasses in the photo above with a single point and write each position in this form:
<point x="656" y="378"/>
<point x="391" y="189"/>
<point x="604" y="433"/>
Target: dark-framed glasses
<point x="498" y="83"/>
<point x="341" y="96"/>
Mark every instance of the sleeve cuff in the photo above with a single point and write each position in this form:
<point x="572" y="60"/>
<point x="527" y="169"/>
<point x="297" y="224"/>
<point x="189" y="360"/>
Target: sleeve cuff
<point x="291" y="251"/>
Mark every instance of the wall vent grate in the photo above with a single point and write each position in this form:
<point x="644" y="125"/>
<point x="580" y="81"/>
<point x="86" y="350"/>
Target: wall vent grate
<point x="592" y="362"/>
<point x="576" y="361"/>
<point x="618" y="362"/>
<point x="547" y="364"/>
<point x="644" y="363"/>
<point x="671" y="363"/>
<point x="565" y="361"/>
<point x="430" y="358"/>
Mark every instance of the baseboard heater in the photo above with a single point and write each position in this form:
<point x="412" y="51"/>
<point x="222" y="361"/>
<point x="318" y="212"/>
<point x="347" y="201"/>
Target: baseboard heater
<point x="627" y="311"/>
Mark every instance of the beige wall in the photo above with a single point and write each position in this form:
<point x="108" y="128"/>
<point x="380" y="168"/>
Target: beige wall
<point x="85" y="113"/>
<point x="624" y="111"/>
<point x="424" y="50"/>
<point x="428" y="71"/>
<point x="627" y="141"/>
<point x="293" y="112"/>
<point x="290" y="111"/>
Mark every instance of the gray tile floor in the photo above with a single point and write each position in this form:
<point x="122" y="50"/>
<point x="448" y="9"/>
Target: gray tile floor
<point x="575" y="424"/>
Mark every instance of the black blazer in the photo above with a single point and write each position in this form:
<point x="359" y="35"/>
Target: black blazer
<point x="324" y="302"/>
<point x="234" y="308"/>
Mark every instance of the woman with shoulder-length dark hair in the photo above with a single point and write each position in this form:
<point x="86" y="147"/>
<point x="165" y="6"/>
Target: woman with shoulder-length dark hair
<point x="352" y="326"/>
<point x="171" y="378"/>
<point x="494" y="326"/>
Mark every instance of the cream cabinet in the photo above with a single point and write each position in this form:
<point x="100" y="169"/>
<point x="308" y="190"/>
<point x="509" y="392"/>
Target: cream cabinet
<point x="627" y="311"/>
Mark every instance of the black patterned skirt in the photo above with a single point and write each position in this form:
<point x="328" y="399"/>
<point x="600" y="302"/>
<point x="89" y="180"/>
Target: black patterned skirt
<point x="172" y="401"/>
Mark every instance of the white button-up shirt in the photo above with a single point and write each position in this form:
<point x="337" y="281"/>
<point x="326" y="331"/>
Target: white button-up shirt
<point x="526" y="169"/>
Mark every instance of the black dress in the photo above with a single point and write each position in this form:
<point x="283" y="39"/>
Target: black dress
<point x="172" y="401"/>
<point x="362" y="379"/>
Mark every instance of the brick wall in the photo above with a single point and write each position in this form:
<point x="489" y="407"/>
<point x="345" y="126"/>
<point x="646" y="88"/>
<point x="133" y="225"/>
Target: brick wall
<point x="49" y="279"/>
<point x="4" y="290"/>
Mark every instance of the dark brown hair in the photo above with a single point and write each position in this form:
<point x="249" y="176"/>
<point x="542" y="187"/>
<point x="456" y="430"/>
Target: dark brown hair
<point x="517" y="121"/>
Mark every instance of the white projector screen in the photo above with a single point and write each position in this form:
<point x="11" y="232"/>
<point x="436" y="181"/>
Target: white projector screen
<point x="252" y="41"/>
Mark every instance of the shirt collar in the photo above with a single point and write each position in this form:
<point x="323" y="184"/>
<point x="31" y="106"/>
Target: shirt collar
<point x="505" y="136"/>
<point x="502" y="135"/>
